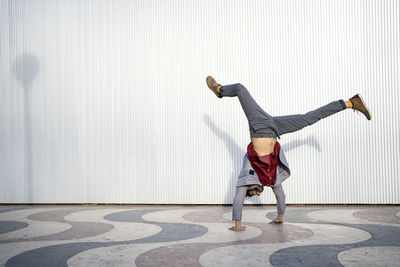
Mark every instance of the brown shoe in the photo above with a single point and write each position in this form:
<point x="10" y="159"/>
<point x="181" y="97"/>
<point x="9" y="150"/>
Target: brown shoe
<point x="213" y="85"/>
<point x="359" y="105"/>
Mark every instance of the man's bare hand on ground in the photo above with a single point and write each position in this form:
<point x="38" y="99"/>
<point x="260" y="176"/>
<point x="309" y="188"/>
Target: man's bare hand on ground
<point x="238" y="229"/>
<point x="276" y="221"/>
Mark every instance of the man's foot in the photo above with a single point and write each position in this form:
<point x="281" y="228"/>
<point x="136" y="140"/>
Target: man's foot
<point x="214" y="86"/>
<point x="359" y="105"/>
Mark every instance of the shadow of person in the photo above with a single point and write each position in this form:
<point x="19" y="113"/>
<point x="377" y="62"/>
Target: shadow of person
<point x="25" y="69"/>
<point x="308" y="141"/>
<point x="237" y="154"/>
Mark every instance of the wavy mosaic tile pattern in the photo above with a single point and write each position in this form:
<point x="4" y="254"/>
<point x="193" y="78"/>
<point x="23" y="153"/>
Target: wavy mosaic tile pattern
<point x="198" y="236"/>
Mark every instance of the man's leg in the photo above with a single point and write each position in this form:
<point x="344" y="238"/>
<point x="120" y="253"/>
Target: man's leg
<point x="250" y="107"/>
<point x="263" y="125"/>
<point x="260" y="122"/>
<point x="292" y="123"/>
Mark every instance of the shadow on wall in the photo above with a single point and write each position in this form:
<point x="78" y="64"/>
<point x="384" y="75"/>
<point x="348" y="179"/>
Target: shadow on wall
<point x="234" y="149"/>
<point x="25" y="69"/>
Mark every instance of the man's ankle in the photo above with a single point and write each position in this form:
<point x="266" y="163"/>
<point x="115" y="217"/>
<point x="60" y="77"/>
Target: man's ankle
<point x="348" y="104"/>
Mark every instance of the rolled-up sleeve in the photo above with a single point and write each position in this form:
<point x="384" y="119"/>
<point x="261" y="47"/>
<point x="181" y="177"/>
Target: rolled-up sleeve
<point x="237" y="205"/>
<point x="280" y="198"/>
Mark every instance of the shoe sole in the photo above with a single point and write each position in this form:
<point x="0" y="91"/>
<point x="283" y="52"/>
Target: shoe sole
<point x="362" y="101"/>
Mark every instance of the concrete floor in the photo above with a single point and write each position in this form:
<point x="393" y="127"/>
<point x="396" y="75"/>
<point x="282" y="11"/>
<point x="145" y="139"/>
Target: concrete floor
<point x="122" y="235"/>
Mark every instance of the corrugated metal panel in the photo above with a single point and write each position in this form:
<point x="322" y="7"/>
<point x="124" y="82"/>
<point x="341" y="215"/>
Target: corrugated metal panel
<point x="105" y="101"/>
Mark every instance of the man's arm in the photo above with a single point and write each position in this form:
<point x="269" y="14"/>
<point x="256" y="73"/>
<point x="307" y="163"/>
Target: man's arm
<point x="237" y="208"/>
<point x="280" y="203"/>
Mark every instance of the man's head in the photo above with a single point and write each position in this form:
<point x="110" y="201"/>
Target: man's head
<point x="254" y="190"/>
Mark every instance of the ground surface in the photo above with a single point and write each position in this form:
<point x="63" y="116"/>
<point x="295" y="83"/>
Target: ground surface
<point x="120" y="235"/>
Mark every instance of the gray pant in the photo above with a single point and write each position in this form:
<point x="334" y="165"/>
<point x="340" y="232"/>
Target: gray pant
<point x="261" y="124"/>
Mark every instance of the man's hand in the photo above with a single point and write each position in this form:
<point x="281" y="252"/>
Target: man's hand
<point x="238" y="229"/>
<point x="238" y="226"/>
<point x="277" y="220"/>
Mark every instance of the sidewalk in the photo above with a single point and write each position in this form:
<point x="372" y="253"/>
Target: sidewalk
<point x="125" y="235"/>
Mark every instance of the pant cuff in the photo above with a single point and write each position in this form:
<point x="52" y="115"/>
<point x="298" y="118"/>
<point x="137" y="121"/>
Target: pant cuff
<point x="221" y="91"/>
<point x="342" y="103"/>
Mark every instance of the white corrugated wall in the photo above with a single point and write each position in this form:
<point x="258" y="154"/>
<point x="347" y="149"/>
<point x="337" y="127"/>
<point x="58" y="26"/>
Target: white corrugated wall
<point x="106" y="101"/>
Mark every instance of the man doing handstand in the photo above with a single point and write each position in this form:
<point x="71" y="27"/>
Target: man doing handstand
<point x="264" y="163"/>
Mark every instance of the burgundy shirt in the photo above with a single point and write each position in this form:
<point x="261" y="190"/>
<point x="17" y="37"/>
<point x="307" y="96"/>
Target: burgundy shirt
<point x="264" y="166"/>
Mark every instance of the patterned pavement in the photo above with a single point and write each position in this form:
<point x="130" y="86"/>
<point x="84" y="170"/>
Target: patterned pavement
<point x="123" y="235"/>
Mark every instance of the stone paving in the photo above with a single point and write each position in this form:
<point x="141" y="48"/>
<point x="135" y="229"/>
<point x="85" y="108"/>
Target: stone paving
<point x="125" y="235"/>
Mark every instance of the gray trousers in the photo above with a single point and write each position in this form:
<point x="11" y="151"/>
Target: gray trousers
<point x="261" y="124"/>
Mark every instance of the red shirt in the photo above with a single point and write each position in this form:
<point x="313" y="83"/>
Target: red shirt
<point x="264" y="166"/>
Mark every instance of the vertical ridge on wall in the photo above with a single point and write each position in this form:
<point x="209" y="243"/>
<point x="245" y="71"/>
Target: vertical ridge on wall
<point x="106" y="101"/>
